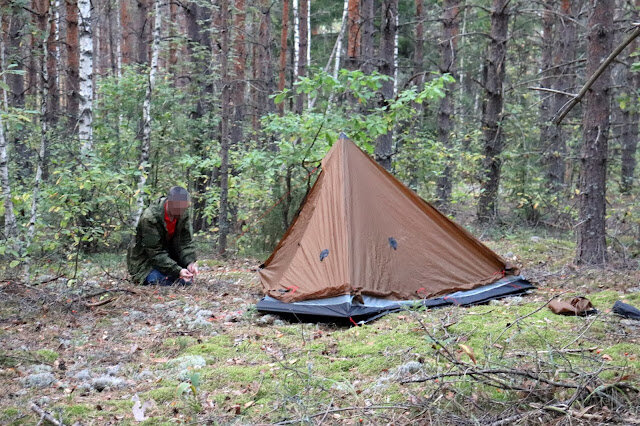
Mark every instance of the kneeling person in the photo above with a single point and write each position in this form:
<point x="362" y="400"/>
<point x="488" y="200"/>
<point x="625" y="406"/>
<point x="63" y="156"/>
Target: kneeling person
<point x="162" y="251"/>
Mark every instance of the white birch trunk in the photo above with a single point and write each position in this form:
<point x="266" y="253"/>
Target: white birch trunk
<point x="296" y="38"/>
<point x="146" y="116"/>
<point x="44" y="126"/>
<point x="338" y="47"/>
<point x="395" y="58"/>
<point x="10" y="227"/>
<point x="118" y="38"/>
<point x="5" y="97"/>
<point x="85" y="125"/>
<point x="308" y="43"/>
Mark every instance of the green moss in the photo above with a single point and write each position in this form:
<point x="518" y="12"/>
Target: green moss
<point x="162" y="394"/>
<point x="47" y="355"/>
<point x="77" y="412"/>
<point x="216" y="347"/>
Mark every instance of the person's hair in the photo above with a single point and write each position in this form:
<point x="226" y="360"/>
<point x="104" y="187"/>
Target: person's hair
<point x="178" y="193"/>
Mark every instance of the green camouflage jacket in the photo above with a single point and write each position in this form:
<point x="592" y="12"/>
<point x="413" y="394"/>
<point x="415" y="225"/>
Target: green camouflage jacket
<point x="151" y="248"/>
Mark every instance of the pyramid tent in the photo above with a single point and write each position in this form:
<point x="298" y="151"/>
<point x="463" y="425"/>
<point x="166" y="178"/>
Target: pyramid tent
<point x="362" y="234"/>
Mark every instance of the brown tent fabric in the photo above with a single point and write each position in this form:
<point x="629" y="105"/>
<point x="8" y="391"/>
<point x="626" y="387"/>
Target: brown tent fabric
<point x="361" y="231"/>
<point x="576" y="306"/>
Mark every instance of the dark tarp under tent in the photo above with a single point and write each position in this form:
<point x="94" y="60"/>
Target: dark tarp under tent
<point x="363" y="244"/>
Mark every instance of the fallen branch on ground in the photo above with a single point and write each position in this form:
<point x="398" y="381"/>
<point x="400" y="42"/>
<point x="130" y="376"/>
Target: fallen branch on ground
<point x="44" y="415"/>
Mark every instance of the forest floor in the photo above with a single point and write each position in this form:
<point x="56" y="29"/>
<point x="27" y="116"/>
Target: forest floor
<point x="203" y="355"/>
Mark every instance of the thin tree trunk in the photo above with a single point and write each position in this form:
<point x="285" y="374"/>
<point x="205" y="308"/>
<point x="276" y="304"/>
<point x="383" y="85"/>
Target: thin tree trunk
<point x="418" y="54"/>
<point x="492" y="111"/>
<point x="146" y="114"/>
<point x="283" y="51"/>
<point x="35" y="196"/>
<point x="546" y="111"/>
<point x="384" y="144"/>
<point x="448" y="49"/>
<point x="591" y="242"/>
<point x="338" y="46"/>
<point x="555" y="147"/>
<point x="223" y="220"/>
<point x="296" y="38"/>
<point x="73" y="61"/>
<point x="85" y="121"/>
<point x="239" y="69"/>
<point x="10" y="226"/>
<point x="263" y="67"/>
<point x="630" y="139"/>
<point x="302" y="50"/>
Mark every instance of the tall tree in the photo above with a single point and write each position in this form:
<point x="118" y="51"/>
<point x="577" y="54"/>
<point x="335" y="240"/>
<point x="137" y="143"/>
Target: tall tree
<point x="302" y="49"/>
<point x="492" y="136"/>
<point x="367" y="49"/>
<point x="354" y="34"/>
<point x="632" y="117"/>
<point x="73" y="61"/>
<point x="225" y="119"/>
<point x="85" y="120"/>
<point x="10" y="226"/>
<point x="592" y="247"/>
<point x="384" y="144"/>
<point x="145" y="147"/>
<point x="448" y="53"/>
<point x="263" y="66"/>
<point x="283" y="51"/>
<point x="554" y="144"/>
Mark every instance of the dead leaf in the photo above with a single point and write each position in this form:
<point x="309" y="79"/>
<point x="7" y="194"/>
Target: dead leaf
<point x="249" y="404"/>
<point x="607" y="357"/>
<point x="467" y="350"/>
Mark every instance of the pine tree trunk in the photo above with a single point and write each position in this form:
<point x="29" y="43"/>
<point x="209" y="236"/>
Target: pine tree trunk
<point x="548" y="80"/>
<point x="592" y="247"/>
<point x="418" y="54"/>
<point x="146" y="114"/>
<point x="302" y="50"/>
<point x="73" y="61"/>
<point x="384" y="144"/>
<point x="354" y="34"/>
<point x="283" y="51"/>
<point x="35" y="196"/>
<point x="555" y="148"/>
<point x="492" y="111"/>
<point x="630" y="139"/>
<point x="85" y="121"/>
<point x="239" y="69"/>
<point x="223" y="220"/>
<point x="448" y="49"/>
<point x="367" y="49"/>
<point x="264" y="65"/>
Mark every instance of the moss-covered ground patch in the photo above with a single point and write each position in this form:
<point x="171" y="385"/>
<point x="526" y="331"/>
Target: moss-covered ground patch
<point x="245" y="372"/>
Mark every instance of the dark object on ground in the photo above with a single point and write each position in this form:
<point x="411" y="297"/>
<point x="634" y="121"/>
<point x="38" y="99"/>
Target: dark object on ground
<point x="350" y="309"/>
<point x="578" y="306"/>
<point x="625" y="310"/>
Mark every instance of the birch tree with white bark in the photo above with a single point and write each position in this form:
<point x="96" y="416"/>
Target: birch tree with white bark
<point x="85" y="119"/>
<point x="146" y="115"/>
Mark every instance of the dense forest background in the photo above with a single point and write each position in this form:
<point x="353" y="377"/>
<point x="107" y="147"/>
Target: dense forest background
<point x="107" y="104"/>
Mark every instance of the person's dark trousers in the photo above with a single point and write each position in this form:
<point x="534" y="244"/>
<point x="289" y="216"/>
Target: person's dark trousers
<point x="156" y="277"/>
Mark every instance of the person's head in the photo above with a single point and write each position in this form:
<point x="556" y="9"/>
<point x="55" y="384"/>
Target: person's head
<point x="178" y="201"/>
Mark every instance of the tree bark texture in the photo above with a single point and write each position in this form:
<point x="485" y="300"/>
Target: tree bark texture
<point x="492" y="111"/>
<point x="10" y="226"/>
<point x="302" y="50"/>
<point x="632" y="117"/>
<point x="263" y="66"/>
<point x="283" y="51"/>
<point x="223" y="220"/>
<point x="591" y="247"/>
<point x="85" y="120"/>
<point x="448" y="58"/>
<point x="555" y="145"/>
<point x="418" y="54"/>
<point x="239" y="69"/>
<point x="384" y="144"/>
<point x="367" y="48"/>
<point x="73" y="61"/>
<point x="145" y="147"/>
<point x="354" y="34"/>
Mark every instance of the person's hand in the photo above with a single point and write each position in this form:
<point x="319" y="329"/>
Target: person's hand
<point x="186" y="275"/>
<point x="193" y="268"/>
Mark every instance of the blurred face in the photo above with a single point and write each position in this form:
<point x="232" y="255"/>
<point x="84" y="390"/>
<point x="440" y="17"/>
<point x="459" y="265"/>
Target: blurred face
<point x="177" y="208"/>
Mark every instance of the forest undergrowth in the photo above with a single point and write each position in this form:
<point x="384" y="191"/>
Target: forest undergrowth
<point x="100" y="350"/>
